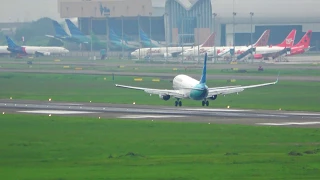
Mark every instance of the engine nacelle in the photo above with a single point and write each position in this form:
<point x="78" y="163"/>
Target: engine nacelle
<point x="42" y="53"/>
<point x="257" y="56"/>
<point x="214" y="97"/>
<point x="167" y="55"/>
<point x="164" y="97"/>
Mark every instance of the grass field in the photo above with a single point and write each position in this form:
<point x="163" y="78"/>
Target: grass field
<point x="65" y="148"/>
<point x="287" y="95"/>
<point x="112" y="66"/>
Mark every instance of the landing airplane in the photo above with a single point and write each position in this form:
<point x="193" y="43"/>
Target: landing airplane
<point x="185" y="87"/>
<point x="34" y="50"/>
<point x="61" y="34"/>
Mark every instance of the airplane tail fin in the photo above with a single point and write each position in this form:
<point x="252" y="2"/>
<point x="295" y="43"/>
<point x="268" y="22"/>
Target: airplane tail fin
<point x="11" y="44"/>
<point x="58" y="29"/>
<point x="305" y="40"/>
<point x="143" y="36"/>
<point x="113" y="36"/>
<point x="73" y="28"/>
<point x="204" y="70"/>
<point x="288" y="42"/>
<point x="209" y="42"/>
<point x="263" y="40"/>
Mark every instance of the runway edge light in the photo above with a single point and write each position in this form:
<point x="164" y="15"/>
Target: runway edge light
<point x="10" y="97"/>
<point x="3" y="112"/>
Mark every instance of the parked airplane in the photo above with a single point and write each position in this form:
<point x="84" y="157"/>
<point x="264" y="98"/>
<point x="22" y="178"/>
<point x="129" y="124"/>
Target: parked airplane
<point x="147" y="42"/>
<point x="222" y="50"/>
<point x="245" y="50"/>
<point x="63" y="36"/>
<point x="169" y="51"/>
<point x="33" y="50"/>
<point x="186" y="87"/>
<point x="278" y="50"/>
<point x="76" y="33"/>
<point x="117" y="42"/>
<point x="303" y="45"/>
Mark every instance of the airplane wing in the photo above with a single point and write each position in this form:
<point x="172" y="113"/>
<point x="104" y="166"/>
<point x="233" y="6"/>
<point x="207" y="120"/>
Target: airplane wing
<point x="174" y="93"/>
<point x="230" y="90"/>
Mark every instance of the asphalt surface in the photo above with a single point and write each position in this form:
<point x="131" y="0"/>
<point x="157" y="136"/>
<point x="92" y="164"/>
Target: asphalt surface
<point x="182" y="114"/>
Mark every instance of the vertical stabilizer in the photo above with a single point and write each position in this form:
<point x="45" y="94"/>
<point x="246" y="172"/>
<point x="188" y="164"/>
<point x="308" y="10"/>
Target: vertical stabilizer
<point x="288" y="42"/>
<point x="263" y="40"/>
<point x="58" y="29"/>
<point x="209" y="42"/>
<point x="305" y="40"/>
<point x="204" y="70"/>
<point x="73" y="28"/>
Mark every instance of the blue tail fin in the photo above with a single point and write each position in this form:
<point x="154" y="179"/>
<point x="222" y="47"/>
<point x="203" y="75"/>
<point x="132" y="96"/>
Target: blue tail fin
<point x="11" y="44"/>
<point x="113" y="36"/>
<point x="58" y="29"/>
<point x="73" y="28"/>
<point x="204" y="70"/>
<point x="143" y="36"/>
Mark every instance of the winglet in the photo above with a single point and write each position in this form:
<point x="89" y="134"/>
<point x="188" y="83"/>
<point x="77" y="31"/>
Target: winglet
<point x="277" y="78"/>
<point x="204" y="70"/>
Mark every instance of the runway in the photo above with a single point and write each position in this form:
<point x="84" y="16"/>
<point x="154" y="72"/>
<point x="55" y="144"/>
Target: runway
<point x="181" y="114"/>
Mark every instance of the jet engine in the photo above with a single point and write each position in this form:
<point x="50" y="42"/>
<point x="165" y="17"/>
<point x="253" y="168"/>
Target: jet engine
<point x="214" y="97"/>
<point x="257" y="56"/>
<point x="164" y="97"/>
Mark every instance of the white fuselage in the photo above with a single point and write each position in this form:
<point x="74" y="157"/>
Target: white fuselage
<point x="45" y="50"/>
<point x="159" y="51"/>
<point x="4" y="50"/>
<point x="240" y="49"/>
<point x="184" y="84"/>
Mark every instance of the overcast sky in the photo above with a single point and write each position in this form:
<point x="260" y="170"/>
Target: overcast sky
<point x="27" y="10"/>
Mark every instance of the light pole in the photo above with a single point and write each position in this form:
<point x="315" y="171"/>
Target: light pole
<point x="234" y="35"/>
<point x="251" y="14"/>
<point x="251" y="40"/>
<point x="122" y="37"/>
<point x="198" y="34"/>
<point x="182" y="39"/>
<point x="166" y="15"/>
<point x="150" y="14"/>
<point x="214" y="42"/>
<point x="139" y="36"/>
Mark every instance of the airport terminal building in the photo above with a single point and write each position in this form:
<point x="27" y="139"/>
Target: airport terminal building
<point x="192" y="21"/>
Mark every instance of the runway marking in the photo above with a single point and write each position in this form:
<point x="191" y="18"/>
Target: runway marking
<point x="147" y="116"/>
<point x="303" y="114"/>
<point x="65" y="104"/>
<point x="219" y="110"/>
<point x="56" y="112"/>
<point x="288" y="123"/>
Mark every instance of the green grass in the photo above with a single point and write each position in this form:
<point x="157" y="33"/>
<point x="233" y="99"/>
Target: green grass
<point x="113" y="66"/>
<point x="287" y="95"/>
<point x="56" y="147"/>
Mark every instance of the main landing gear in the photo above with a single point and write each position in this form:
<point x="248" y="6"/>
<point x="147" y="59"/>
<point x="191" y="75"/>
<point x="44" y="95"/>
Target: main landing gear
<point x="178" y="102"/>
<point x="205" y="102"/>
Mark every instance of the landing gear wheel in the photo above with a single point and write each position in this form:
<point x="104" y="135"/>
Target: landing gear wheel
<point x="207" y="103"/>
<point x="180" y="103"/>
<point x="203" y="103"/>
<point x="176" y="103"/>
